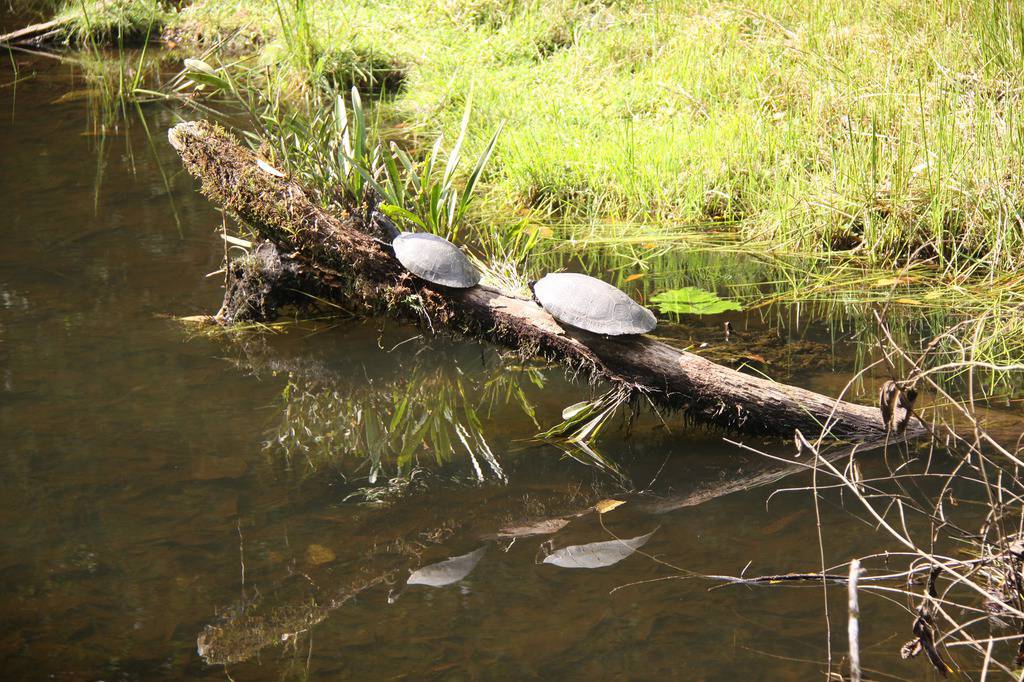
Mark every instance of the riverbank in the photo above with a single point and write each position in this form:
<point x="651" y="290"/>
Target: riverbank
<point x="881" y="131"/>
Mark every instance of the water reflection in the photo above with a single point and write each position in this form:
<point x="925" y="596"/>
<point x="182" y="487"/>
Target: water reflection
<point x="295" y="607"/>
<point x="403" y="408"/>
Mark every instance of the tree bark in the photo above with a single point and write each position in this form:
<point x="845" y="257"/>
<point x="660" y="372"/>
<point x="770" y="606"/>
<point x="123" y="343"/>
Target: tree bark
<point x="342" y="254"/>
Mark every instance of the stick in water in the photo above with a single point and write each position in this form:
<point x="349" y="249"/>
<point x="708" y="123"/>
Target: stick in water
<point x="854" y="626"/>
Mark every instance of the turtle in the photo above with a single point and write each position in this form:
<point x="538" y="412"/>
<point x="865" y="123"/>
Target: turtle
<point x="435" y="259"/>
<point x="590" y="304"/>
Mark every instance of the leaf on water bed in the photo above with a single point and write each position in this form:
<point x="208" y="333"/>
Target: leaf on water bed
<point x="605" y="506"/>
<point x="693" y="301"/>
<point x="597" y="554"/>
<point x="317" y="555"/>
<point x="449" y="571"/>
<point x="197" y="319"/>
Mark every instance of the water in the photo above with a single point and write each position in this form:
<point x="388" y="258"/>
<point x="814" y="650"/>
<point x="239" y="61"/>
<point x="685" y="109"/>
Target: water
<point x="140" y="501"/>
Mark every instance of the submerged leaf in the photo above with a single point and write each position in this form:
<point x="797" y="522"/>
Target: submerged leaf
<point x="605" y="506"/>
<point x="317" y="555"/>
<point x="597" y="554"/>
<point x="197" y="319"/>
<point x="449" y="571"/>
<point x="693" y="301"/>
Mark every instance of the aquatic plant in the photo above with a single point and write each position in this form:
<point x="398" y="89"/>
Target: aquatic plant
<point x="690" y="300"/>
<point x="424" y="195"/>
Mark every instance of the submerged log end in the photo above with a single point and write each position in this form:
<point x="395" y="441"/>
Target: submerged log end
<point x="175" y="134"/>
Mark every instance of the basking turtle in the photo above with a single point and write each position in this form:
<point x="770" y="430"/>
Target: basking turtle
<point x="593" y="305"/>
<point x="435" y="259"/>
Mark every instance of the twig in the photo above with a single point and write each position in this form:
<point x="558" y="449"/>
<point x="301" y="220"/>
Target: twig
<point x="853" y="628"/>
<point x="33" y="32"/>
<point x="821" y="554"/>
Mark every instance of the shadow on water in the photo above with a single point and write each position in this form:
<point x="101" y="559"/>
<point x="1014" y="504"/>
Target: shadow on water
<point x="174" y="503"/>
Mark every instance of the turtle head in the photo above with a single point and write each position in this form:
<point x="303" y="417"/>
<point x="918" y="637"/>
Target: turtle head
<point x="384" y="225"/>
<point x="533" y="293"/>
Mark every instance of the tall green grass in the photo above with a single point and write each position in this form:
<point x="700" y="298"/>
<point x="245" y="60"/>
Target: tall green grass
<point x="889" y="131"/>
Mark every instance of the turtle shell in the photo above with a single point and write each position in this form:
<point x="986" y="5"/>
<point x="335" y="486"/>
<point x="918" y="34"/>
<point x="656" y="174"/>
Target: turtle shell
<point x="435" y="259"/>
<point x="593" y="305"/>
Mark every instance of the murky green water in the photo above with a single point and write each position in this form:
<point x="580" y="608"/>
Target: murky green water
<point x="153" y="483"/>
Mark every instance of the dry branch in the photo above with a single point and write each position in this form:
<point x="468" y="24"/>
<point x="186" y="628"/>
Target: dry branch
<point x="33" y="34"/>
<point x="357" y="271"/>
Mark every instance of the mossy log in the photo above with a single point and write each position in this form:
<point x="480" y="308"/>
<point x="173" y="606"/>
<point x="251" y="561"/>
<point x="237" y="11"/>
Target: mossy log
<point x="360" y="274"/>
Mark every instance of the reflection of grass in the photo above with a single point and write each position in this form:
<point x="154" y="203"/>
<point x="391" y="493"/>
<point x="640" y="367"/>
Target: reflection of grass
<point x="435" y="422"/>
<point x="111" y="82"/>
<point x="433" y="416"/>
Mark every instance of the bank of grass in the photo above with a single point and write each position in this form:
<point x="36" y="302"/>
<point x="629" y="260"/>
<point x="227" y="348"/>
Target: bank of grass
<point x="887" y="128"/>
<point x="113" y="22"/>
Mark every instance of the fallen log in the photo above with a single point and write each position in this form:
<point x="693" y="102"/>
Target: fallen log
<point x="355" y="269"/>
<point x="34" y="34"/>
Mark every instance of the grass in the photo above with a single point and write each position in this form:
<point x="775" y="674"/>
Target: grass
<point x="889" y="129"/>
<point x="815" y="126"/>
<point x="113" y="22"/>
<point x="332" y="149"/>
